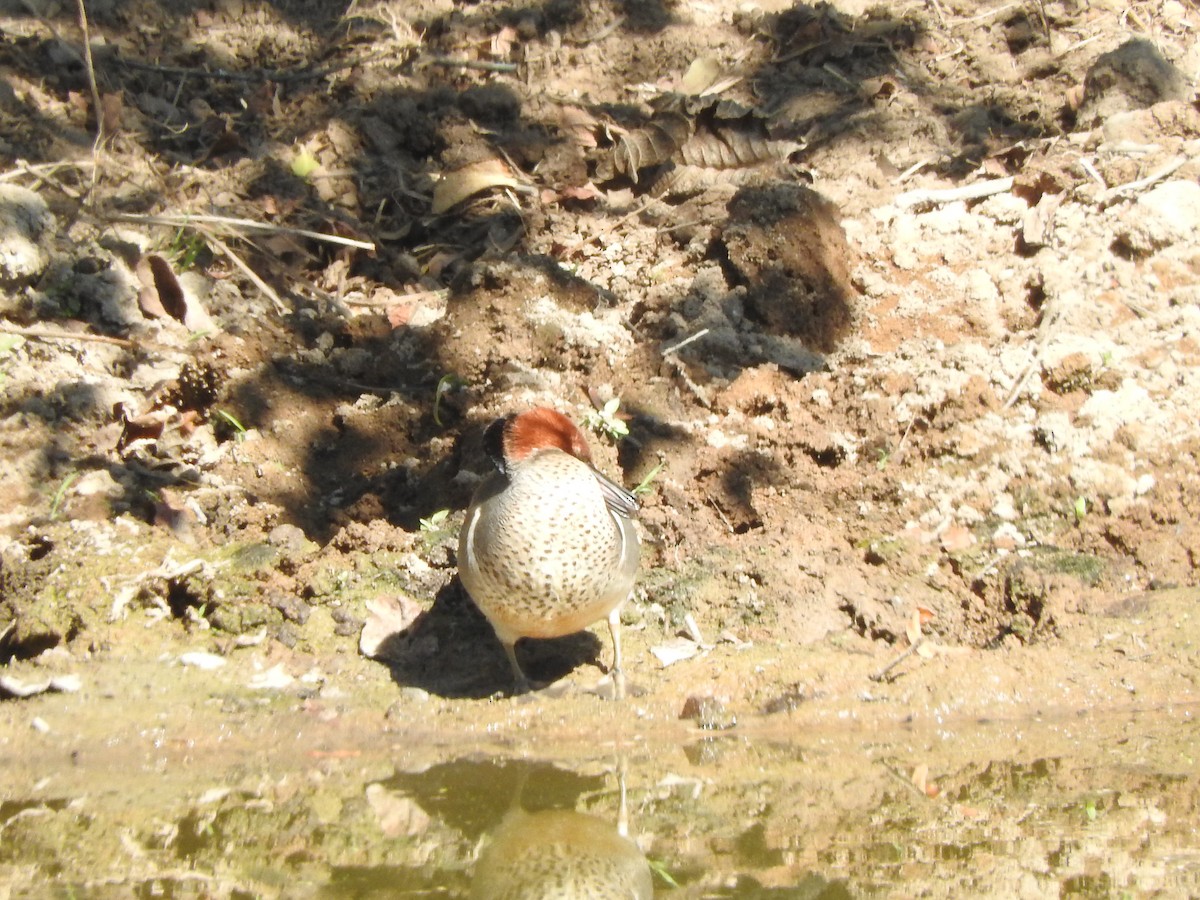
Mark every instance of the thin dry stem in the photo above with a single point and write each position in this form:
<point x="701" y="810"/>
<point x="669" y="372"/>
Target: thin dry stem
<point x="270" y="292"/>
<point x="97" y="108"/>
<point x="240" y="225"/>
<point x="46" y="334"/>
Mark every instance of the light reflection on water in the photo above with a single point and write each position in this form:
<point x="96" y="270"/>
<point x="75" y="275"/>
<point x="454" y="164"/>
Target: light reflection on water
<point x="1091" y="808"/>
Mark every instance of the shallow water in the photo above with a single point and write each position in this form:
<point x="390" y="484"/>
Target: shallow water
<point x="1102" y="805"/>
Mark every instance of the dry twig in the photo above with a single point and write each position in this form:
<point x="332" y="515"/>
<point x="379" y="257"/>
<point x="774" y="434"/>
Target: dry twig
<point x="882" y="674"/>
<point x="279" y="76"/>
<point x="1132" y="187"/>
<point x="235" y="225"/>
<point x="89" y="66"/>
<point x="976" y="191"/>
<point x="482" y="65"/>
<point x="270" y="292"/>
<point x="45" y="334"/>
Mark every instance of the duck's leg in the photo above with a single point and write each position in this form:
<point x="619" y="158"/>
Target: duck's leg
<point x="521" y="684"/>
<point x="618" y="674"/>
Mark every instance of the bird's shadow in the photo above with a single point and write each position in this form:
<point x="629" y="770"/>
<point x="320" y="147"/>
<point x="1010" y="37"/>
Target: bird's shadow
<point x="451" y="651"/>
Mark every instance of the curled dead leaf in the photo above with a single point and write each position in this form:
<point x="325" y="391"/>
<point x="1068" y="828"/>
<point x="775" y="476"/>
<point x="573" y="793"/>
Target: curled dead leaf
<point x="912" y="630"/>
<point x="112" y="107"/>
<point x="148" y="427"/>
<point x="163" y="294"/>
<point x="656" y="143"/>
<point x="731" y="148"/>
<point x="455" y="187"/>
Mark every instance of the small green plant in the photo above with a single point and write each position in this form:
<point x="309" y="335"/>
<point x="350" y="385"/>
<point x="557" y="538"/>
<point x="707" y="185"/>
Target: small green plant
<point x="435" y="523"/>
<point x="232" y="422"/>
<point x="61" y="493"/>
<point x="445" y="385"/>
<point x="185" y="248"/>
<point x="606" y="420"/>
<point x="1080" y="508"/>
<point x="659" y="868"/>
<point x="304" y="163"/>
<point x="644" y="485"/>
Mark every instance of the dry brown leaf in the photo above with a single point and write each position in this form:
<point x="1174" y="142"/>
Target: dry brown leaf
<point x="141" y="428"/>
<point x="912" y="630"/>
<point x="460" y="184"/>
<point x="656" y="143"/>
<point x="730" y="148"/>
<point x="112" y="106"/>
<point x="163" y="295"/>
<point x="579" y="124"/>
<point x="1075" y="96"/>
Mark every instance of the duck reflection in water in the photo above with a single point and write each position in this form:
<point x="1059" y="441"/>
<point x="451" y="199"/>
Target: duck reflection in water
<point x="561" y="854"/>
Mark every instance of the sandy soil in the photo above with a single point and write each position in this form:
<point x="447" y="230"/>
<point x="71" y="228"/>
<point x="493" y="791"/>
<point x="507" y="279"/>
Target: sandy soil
<point x="901" y="303"/>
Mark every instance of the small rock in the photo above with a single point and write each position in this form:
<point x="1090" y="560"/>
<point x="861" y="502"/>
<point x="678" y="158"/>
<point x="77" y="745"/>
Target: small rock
<point x="386" y="617"/>
<point x="354" y="362"/>
<point x="675" y="650"/>
<point x="26" y="226"/>
<point x="199" y="659"/>
<point x="957" y="538"/>
<point x="708" y="712"/>
<point x="290" y="607"/>
<point x="1007" y="537"/>
<point x="1134" y="76"/>
<point x="288" y="536"/>
<point x="1167" y="214"/>
<point x="11" y="686"/>
<point x="273" y="679"/>
<point x="99" y="482"/>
